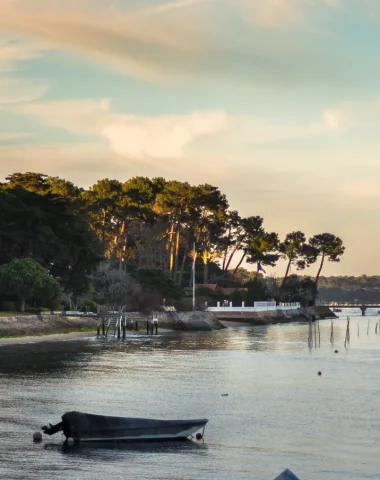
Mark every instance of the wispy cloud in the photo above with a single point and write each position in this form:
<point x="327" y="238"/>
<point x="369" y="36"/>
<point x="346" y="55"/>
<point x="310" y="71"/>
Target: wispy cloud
<point x="283" y="13"/>
<point x="137" y="43"/>
<point x="166" y="136"/>
<point x="13" y="51"/>
<point x="15" y="90"/>
<point x="185" y="41"/>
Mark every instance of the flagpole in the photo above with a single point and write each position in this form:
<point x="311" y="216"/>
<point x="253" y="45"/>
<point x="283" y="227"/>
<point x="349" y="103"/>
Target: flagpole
<point x="194" y="258"/>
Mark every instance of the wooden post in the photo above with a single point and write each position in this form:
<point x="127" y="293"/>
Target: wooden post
<point x="137" y="325"/>
<point x="147" y="327"/>
<point x="98" y="331"/>
<point x="156" y="324"/>
<point x="103" y="326"/>
<point x="124" y="326"/>
<point x="119" y="328"/>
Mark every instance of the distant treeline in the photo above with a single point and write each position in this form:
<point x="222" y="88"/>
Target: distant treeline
<point x="350" y="289"/>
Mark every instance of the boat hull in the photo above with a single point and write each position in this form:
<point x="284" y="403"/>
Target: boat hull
<point x="84" y="427"/>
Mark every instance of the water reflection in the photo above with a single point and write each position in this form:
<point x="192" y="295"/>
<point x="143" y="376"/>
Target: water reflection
<point x="267" y="422"/>
<point x="101" y="450"/>
<point x="51" y="358"/>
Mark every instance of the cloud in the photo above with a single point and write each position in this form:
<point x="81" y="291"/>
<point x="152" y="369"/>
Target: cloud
<point x="282" y="13"/>
<point x="183" y="42"/>
<point x="164" y="136"/>
<point x="15" y="90"/>
<point x="167" y="136"/>
<point x="8" y="137"/>
<point x="353" y="114"/>
<point x="136" y="43"/>
<point x="13" y="51"/>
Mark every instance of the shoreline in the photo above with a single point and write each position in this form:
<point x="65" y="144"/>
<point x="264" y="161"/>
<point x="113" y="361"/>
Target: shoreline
<point x="51" y="337"/>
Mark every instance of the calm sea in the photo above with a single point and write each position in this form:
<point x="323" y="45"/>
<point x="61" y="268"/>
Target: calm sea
<point x="278" y="413"/>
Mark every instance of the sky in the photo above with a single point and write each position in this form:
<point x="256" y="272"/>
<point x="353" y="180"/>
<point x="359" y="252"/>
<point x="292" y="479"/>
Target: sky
<point x="277" y="102"/>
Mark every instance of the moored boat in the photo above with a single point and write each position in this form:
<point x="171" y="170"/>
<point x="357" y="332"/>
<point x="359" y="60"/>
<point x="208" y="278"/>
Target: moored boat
<point x="87" y="427"/>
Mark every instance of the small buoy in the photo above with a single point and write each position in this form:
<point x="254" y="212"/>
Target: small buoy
<point x="319" y="373"/>
<point x="224" y="394"/>
<point x="70" y="441"/>
<point x="198" y="436"/>
<point x="336" y="351"/>
<point x="37" y="436"/>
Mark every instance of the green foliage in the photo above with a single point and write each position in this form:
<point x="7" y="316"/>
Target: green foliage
<point x="257" y="291"/>
<point x="157" y="280"/>
<point x="298" y="289"/>
<point x="295" y="251"/>
<point x="36" y="223"/>
<point x="146" y="228"/>
<point x="204" y="292"/>
<point x="26" y="278"/>
<point x="8" y="306"/>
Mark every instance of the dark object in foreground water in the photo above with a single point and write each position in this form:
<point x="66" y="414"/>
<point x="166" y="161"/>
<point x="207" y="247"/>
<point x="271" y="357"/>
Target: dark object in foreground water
<point x="287" y="475"/>
<point x="86" y="427"/>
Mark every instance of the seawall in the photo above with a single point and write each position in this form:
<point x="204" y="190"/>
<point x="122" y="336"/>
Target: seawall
<point x="263" y="317"/>
<point x="44" y="324"/>
<point x="191" y="321"/>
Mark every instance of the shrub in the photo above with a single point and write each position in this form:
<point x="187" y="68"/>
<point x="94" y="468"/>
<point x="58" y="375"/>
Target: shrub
<point x="32" y="310"/>
<point x="7" y="306"/>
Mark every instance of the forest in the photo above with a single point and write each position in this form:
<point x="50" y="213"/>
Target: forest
<point x="136" y="242"/>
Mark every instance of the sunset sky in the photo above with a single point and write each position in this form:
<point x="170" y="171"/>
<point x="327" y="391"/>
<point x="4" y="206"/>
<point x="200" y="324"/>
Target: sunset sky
<point x="277" y="102"/>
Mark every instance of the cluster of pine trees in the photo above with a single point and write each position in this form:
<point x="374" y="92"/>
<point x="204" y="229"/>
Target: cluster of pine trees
<point x="145" y="228"/>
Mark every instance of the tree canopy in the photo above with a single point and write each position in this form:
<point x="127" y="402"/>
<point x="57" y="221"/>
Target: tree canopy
<point x="146" y="228"/>
<point x="26" y="278"/>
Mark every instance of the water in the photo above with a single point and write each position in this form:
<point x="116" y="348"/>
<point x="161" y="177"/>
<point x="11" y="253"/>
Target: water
<point x="278" y="413"/>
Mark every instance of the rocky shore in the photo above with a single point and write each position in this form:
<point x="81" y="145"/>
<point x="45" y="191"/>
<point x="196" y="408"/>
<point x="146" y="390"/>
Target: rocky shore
<point x="19" y="325"/>
<point x="22" y="325"/>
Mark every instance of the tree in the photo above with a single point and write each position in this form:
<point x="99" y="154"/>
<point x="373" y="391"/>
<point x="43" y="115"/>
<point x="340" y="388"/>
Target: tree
<point x="102" y="202"/>
<point x="298" y="289"/>
<point x="114" y="286"/>
<point x="329" y="247"/>
<point x="38" y="224"/>
<point x="26" y="278"/>
<point x="262" y="250"/>
<point x="209" y="212"/>
<point x="296" y="251"/>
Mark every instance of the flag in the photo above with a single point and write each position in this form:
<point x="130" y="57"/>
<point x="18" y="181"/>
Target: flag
<point x="260" y="268"/>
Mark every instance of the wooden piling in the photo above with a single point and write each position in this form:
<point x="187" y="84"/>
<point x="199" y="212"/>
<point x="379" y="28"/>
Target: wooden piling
<point x="310" y="338"/>
<point x="332" y="331"/>
<point x="368" y="327"/>
<point x="136" y="325"/>
<point x="124" y="326"/>
<point x="347" y="339"/>
<point x="147" y="328"/>
<point x="103" y="327"/>
<point x="156" y="325"/>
